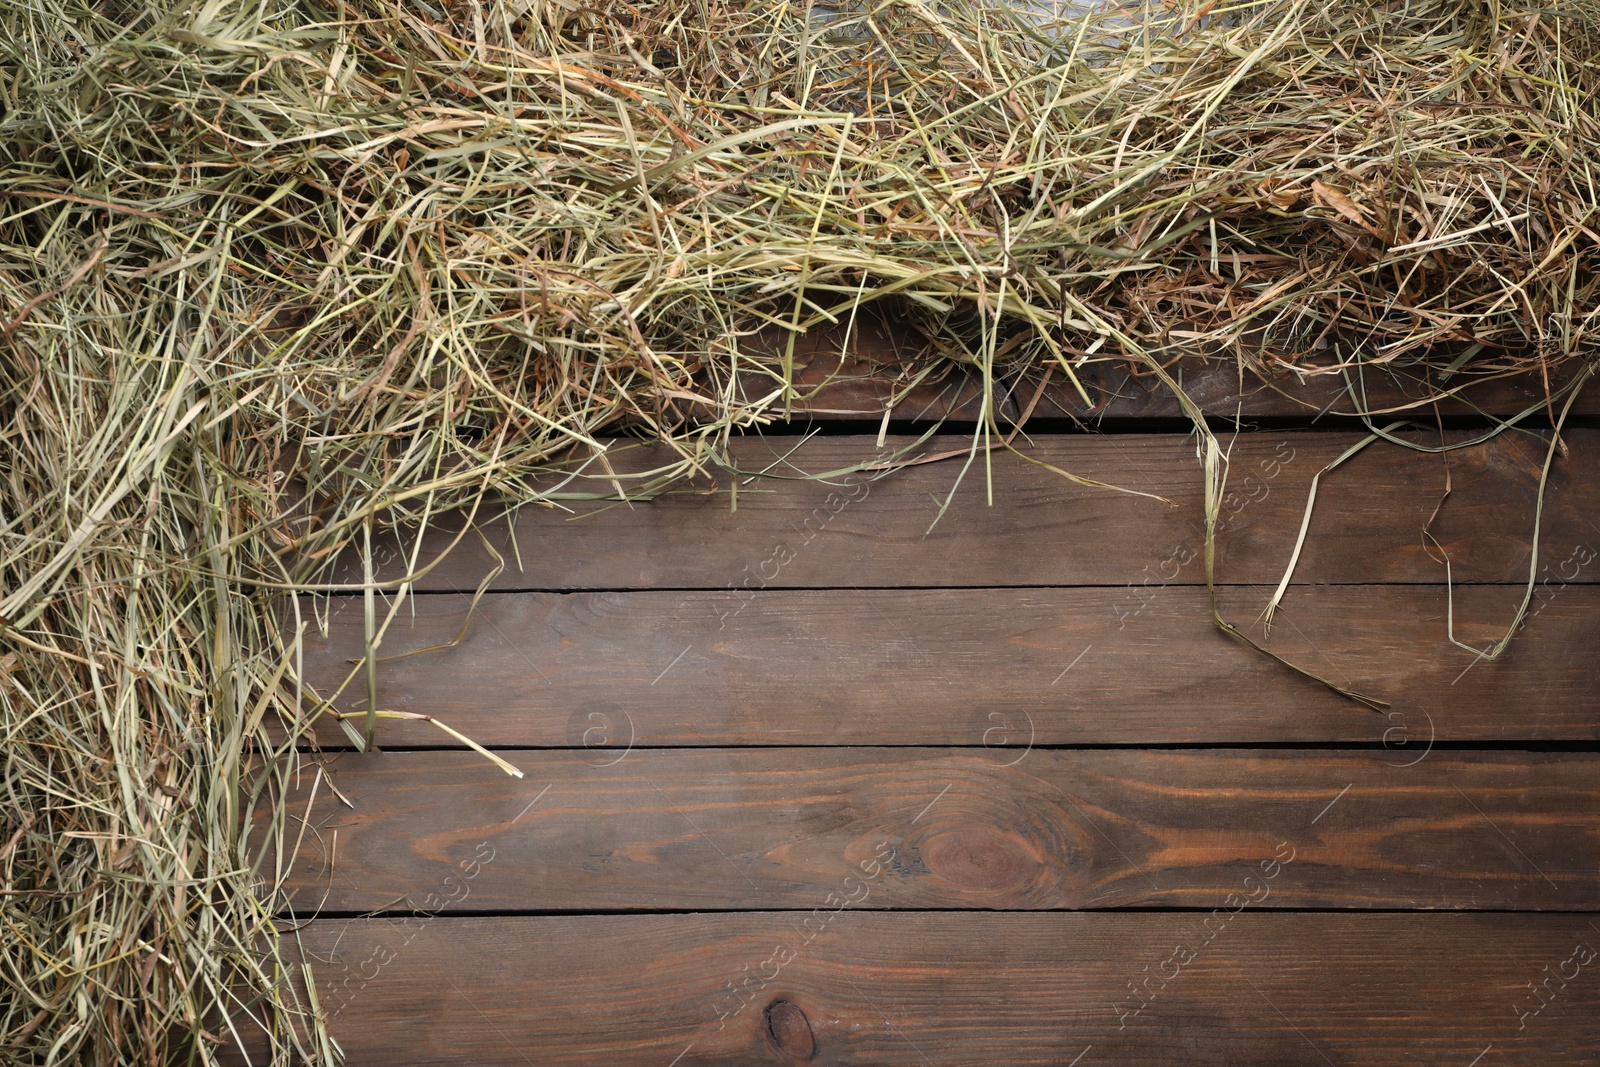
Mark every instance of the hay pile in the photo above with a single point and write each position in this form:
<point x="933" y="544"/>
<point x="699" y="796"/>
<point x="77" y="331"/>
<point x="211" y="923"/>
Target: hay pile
<point x="272" y="274"/>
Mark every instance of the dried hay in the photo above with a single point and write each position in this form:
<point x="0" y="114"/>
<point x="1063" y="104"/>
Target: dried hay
<point x="274" y="274"/>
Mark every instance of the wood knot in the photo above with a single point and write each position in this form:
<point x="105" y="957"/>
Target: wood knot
<point x="790" y="1031"/>
<point x="980" y="859"/>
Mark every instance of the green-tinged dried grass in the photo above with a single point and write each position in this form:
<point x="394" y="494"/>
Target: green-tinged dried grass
<point x="273" y="274"/>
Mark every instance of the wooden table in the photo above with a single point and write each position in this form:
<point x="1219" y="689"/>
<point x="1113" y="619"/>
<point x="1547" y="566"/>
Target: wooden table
<point x="828" y="777"/>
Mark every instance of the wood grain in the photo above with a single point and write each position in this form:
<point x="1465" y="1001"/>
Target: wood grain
<point x="1140" y="664"/>
<point x="924" y="990"/>
<point x="1004" y="828"/>
<point x="797" y="744"/>
<point x="858" y="376"/>
<point x="1043" y="530"/>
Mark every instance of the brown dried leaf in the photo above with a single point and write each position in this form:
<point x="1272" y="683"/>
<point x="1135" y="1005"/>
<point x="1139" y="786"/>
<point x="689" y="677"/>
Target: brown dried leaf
<point x="1333" y="198"/>
<point x="1279" y="192"/>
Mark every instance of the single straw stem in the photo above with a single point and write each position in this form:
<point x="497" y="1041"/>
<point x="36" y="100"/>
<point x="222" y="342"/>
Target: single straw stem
<point x="369" y="604"/>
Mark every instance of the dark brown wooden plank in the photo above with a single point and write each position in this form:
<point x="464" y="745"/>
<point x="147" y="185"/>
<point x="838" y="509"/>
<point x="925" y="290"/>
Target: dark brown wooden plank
<point x="857" y="377"/>
<point x="1263" y="989"/>
<point x="1139" y="664"/>
<point x="969" y="828"/>
<point x="1221" y="389"/>
<point x="1042" y="529"/>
